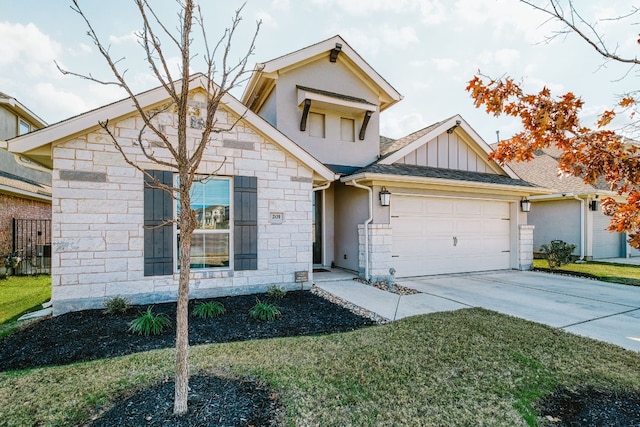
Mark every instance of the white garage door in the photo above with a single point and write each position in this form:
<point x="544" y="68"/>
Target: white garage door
<point x="605" y="243"/>
<point x="446" y="235"/>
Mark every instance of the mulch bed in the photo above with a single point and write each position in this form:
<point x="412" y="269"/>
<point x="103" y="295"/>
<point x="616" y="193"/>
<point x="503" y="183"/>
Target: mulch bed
<point x="587" y="407"/>
<point x="213" y="401"/>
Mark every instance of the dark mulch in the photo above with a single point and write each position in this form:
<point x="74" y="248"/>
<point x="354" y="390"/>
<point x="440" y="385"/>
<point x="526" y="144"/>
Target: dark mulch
<point x="213" y="401"/>
<point x="90" y="334"/>
<point x="588" y="407"/>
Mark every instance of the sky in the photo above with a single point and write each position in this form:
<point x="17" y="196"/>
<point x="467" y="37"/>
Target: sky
<point x="427" y="50"/>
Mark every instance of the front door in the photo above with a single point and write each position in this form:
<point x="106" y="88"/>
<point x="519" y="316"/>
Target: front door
<point x="317" y="227"/>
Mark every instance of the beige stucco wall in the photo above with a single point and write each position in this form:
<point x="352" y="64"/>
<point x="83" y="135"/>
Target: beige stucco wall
<point x="332" y="77"/>
<point x="556" y="220"/>
<point x="98" y="216"/>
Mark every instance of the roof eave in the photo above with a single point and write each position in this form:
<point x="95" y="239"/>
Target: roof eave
<point x="371" y="177"/>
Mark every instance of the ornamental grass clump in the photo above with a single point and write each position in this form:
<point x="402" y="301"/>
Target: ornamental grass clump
<point x="116" y="305"/>
<point x="148" y="323"/>
<point x="264" y="311"/>
<point x="276" y="292"/>
<point x="208" y="310"/>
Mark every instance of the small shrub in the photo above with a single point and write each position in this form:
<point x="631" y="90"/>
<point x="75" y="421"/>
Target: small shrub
<point x="264" y="311"/>
<point x="116" y="305"/>
<point x="208" y="310"/>
<point x="557" y="253"/>
<point x="276" y="292"/>
<point x="148" y="323"/>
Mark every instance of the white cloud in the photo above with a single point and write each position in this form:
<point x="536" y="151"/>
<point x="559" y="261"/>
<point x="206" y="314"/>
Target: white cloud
<point x="28" y="47"/>
<point x="398" y="37"/>
<point x="429" y="11"/>
<point x="506" y="57"/>
<point x="125" y="38"/>
<point x="280" y="4"/>
<point x="267" y="19"/>
<point x="445" y="64"/>
<point x="399" y="126"/>
<point x="64" y="103"/>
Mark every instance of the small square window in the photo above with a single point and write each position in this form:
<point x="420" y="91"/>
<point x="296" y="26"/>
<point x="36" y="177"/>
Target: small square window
<point x="347" y="129"/>
<point x="316" y="125"/>
<point x="23" y="127"/>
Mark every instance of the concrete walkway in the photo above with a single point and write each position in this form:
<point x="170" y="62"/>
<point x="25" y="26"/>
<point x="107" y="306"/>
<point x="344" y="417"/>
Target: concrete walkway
<point x="604" y="311"/>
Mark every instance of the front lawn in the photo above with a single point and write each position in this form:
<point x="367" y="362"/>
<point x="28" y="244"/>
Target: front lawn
<point x="607" y="272"/>
<point x="465" y="368"/>
<point x="22" y="294"/>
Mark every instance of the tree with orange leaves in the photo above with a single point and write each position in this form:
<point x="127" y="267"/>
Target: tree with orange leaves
<point x="547" y="120"/>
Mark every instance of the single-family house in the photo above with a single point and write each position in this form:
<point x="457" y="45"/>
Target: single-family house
<point x="303" y="179"/>
<point x="572" y="212"/>
<point x="25" y="190"/>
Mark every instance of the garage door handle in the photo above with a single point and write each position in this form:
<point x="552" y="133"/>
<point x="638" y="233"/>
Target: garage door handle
<point x="505" y="251"/>
<point x="455" y="241"/>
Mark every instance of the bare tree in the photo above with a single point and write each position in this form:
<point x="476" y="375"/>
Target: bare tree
<point x="184" y="158"/>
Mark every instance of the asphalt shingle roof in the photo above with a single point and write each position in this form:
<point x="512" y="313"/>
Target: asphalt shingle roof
<point x="451" y="174"/>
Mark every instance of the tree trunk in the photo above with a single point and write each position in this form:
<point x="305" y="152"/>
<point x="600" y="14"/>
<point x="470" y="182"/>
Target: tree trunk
<point x="182" y="312"/>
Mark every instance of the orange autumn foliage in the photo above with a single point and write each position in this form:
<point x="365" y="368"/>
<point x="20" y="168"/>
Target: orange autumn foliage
<point x="588" y="153"/>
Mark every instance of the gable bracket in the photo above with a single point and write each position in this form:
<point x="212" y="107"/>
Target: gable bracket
<point x="305" y="114"/>
<point x="365" y="122"/>
<point x="333" y="53"/>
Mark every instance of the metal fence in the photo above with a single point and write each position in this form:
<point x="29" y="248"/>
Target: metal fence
<point x="32" y="243"/>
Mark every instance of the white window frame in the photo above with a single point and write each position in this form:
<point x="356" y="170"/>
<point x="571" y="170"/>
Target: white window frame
<point x="22" y="123"/>
<point x="228" y="231"/>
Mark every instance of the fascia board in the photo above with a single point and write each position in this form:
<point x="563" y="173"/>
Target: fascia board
<point x="445" y="183"/>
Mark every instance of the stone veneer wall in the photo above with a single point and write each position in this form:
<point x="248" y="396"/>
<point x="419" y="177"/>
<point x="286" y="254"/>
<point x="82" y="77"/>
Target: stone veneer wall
<point x="525" y="247"/>
<point x="380" y="241"/>
<point x="98" y="216"/>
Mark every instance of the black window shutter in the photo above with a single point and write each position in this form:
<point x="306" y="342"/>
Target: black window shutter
<point x="245" y="205"/>
<point x="158" y="230"/>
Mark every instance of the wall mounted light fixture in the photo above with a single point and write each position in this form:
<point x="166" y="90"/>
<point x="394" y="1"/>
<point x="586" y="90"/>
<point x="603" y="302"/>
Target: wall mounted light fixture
<point x="525" y="205"/>
<point x="385" y="197"/>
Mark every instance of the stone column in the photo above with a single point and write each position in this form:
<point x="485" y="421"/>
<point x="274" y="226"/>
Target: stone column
<point x="525" y="247"/>
<point x="380" y="241"/>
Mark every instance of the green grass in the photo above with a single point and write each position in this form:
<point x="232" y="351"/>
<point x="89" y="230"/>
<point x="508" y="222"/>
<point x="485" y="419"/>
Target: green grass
<point x="607" y="272"/>
<point x="22" y="294"/>
<point x="465" y="368"/>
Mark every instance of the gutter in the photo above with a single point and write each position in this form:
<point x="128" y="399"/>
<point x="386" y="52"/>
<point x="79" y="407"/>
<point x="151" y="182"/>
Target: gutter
<point x="366" y="225"/>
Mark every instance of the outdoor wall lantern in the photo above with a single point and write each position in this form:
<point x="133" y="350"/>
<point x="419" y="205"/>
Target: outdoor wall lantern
<point x="593" y="205"/>
<point x="525" y="205"/>
<point x="385" y="197"/>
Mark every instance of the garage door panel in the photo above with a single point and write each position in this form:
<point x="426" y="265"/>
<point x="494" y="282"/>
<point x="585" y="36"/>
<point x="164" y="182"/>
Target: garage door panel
<point x="439" y="236"/>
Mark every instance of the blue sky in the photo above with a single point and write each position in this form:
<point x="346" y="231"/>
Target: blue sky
<point x="427" y="49"/>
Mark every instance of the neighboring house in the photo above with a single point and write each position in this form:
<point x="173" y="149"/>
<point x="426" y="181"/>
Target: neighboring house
<point x="25" y="187"/>
<point x="299" y="186"/>
<point x="572" y="213"/>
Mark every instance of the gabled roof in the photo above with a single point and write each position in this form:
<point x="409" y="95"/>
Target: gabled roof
<point x="38" y="144"/>
<point x="13" y="104"/>
<point x="264" y="75"/>
<point x="543" y="170"/>
<point x="403" y="146"/>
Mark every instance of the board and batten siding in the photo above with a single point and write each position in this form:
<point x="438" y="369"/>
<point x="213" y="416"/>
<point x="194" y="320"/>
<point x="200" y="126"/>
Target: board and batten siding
<point x="447" y="151"/>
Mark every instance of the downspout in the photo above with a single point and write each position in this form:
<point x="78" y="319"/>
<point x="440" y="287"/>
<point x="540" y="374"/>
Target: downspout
<point x="366" y="226"/>
<point x="581" y="226"/>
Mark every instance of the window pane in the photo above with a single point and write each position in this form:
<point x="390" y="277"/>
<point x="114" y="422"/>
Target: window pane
<point x="23" y="127"/>
<point x="347" y="129"/>
<point x="210" y="200"/>
<point x="209" y="250"/>
<point x="316" y="124"/>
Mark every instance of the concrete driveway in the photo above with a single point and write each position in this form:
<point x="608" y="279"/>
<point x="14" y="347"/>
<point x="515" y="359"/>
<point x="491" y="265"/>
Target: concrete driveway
<point x="599" y="310"/>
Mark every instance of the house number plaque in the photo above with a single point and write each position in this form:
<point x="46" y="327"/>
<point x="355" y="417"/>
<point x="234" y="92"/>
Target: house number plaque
<point x="276" y="217"/>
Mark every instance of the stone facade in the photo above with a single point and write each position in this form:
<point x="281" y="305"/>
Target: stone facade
<point x="98" y="215"/>
<point x="525" y="247"/>
<point x="380" y="243"/>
